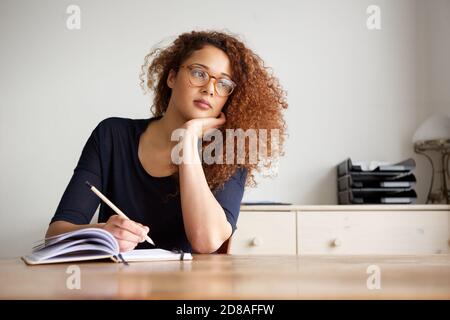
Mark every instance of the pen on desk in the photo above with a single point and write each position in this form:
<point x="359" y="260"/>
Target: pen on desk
<point x="112" y="206"/>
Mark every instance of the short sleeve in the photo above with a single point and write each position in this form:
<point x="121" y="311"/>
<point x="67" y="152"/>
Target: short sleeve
<point x="230" y="196"/>
<point x="78" y="203"/>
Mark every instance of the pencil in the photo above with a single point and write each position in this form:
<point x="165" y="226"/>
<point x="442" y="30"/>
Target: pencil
<point x="112" y="206"/>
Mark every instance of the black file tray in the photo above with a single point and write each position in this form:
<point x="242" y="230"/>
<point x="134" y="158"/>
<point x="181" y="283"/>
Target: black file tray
<point x="399" y="181"/>
<point x="386" y="197"/>
<point x="347" y="168"/>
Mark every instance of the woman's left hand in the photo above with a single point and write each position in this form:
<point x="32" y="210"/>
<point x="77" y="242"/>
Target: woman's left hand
<point x="201" y="126"/>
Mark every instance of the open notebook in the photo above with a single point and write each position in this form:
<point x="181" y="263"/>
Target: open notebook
<point x="93" y="244"/>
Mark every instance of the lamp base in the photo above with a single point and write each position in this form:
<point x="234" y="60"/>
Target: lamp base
<point x="440" y="170"/>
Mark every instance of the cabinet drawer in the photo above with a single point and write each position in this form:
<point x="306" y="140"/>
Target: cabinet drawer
<point x="265" y="233"/>
<point x="376" y="232"/>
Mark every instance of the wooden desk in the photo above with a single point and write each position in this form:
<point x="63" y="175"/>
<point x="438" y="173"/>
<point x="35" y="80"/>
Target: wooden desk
<point x="235" y="277"/>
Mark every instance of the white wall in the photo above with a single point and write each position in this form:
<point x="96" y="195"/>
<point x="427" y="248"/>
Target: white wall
<point x="352" y="92"/>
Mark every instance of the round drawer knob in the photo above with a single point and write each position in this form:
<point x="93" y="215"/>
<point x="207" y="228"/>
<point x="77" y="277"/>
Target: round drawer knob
<point x="337" y="243"/>
<point x="256" y="242"/>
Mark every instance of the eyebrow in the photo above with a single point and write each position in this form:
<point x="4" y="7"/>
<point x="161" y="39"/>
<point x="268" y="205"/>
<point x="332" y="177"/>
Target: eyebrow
<point x="206" y="67"/>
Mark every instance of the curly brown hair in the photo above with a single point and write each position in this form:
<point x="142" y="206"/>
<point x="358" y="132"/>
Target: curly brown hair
<point x="256" y="103"/>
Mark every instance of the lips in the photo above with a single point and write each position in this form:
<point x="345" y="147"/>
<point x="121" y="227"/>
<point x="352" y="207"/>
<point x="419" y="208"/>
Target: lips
<point x="203" y="103"/>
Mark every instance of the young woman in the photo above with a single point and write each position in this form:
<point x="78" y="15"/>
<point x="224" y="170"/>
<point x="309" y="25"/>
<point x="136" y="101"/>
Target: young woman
<point x="201" y="82"/>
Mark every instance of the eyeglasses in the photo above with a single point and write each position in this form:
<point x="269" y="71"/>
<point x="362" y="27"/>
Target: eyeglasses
<point x="199" y="77"/>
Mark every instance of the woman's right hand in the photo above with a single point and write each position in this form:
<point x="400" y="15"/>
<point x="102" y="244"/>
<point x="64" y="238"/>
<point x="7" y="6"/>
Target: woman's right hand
<point x="127" y="232"/>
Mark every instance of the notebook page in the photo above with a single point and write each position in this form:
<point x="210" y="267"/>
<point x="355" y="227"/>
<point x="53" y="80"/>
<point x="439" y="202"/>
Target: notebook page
<point x="154" y="255"/>
<point x="74" y="250"/>
<point x="96" y="234"/>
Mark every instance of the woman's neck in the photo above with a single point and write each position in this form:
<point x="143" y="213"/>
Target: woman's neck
<point x="164" y="127"/>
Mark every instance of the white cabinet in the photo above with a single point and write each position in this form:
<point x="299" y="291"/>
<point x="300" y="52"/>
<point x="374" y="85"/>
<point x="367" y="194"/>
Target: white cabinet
<point x="359" y="230"/>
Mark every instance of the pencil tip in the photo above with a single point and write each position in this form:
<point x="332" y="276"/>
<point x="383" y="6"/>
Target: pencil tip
<point x="88" y="184"/>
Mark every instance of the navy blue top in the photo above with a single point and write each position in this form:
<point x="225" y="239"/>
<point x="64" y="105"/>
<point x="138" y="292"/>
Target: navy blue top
<point x="109" y="161"/>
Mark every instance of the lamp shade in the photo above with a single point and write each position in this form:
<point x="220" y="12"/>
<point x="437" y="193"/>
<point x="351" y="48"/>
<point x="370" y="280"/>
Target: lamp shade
<point x="435" y="127"/>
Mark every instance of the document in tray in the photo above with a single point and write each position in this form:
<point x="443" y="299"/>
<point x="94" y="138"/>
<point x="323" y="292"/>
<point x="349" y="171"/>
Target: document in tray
<point x="93" y="244"/>
<point x="374" y="167"/>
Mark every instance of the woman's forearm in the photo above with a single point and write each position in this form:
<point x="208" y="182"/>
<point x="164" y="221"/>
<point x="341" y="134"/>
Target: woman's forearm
<point x="204" y="219"/>
<point x="59" y="227"/>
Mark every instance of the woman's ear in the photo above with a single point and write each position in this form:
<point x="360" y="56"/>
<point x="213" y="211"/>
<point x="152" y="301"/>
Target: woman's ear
<point x="171" y="79"/>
